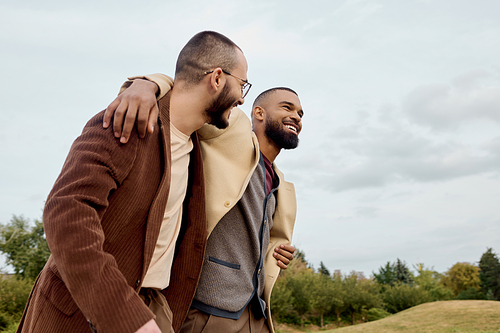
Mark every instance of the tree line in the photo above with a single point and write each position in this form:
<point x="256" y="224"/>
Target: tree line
<point x="305" y="295"/>
<point x="301" y="294"/>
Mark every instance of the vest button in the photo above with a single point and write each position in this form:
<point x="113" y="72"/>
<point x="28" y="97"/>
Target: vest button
<point x="137" y="283"/>
<point x="227" y="204"/>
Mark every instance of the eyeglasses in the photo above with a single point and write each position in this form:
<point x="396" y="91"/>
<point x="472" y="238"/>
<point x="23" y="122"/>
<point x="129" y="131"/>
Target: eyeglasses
<point x="245" y="88"/>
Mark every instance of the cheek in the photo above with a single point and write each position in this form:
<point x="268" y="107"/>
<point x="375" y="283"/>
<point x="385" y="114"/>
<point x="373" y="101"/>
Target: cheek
<point x="237" y="92"/>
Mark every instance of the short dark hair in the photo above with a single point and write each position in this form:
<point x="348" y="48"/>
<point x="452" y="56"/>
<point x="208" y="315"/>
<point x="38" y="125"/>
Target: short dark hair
<point x="206" y="51"/>
<point x="263" y="95"/>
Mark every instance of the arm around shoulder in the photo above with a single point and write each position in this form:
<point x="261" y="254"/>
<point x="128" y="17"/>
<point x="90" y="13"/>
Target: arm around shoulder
<point x="137" y="100"/>
<point x="164" y="83"/>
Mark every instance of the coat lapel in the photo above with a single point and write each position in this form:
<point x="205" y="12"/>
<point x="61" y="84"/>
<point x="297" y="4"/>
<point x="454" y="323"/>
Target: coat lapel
<point x="157" y="210"/>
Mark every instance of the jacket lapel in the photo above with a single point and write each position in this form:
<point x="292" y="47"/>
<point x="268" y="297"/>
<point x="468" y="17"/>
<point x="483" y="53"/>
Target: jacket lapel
<point x="157" y="210"/>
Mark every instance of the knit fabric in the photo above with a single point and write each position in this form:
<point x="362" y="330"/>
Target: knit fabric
<point x="233" y="268"/>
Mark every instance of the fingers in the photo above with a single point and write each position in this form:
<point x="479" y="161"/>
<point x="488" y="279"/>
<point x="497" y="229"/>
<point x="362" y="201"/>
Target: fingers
<point x="118" y="118"/>
<point x="281" y="258"/>
<point x="109" y="112"/>
<point x="145" y="108"/>
<point x="287" y="250"/>
<point x="282" y="265"/>
<point x="129" y="121"/>
<point x="120" y="112"/>
<point x="283" y="255"/>
<point x="141" y="104"/>
<point x="153" y="118"/>
<point x="137" y="102"/>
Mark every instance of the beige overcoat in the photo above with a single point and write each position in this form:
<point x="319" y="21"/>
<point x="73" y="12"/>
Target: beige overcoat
<point x="230" y="157"/>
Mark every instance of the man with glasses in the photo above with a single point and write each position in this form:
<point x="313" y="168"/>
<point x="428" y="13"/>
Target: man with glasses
<point x="245" y="88"/>
<point x="250" y="207"/>
<point x="115" y="212"/>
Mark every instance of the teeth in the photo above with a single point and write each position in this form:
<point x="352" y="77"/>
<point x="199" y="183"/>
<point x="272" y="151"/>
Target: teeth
<point x="291" y="127"/>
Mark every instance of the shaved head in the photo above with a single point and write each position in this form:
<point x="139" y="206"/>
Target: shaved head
<point x="206" y="51"/>
<point x="262" y="98"/>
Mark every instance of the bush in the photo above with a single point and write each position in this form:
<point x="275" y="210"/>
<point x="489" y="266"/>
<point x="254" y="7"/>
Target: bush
<point x="12" y="328"/>
<point x="376" y="314"/>
<point x="470" y="293"/>
<point x="14" y="294"/>
<point x="402" y="296"/>
<point x="5" y="321"/>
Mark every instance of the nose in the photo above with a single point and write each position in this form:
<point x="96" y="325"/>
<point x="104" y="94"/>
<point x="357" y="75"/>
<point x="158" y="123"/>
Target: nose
<point x="240" y="101"/>
<point x="296" y="117"/>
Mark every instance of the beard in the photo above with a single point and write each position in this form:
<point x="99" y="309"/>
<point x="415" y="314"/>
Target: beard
<point x="281" y="137"/>
<point x="215" y="112"/>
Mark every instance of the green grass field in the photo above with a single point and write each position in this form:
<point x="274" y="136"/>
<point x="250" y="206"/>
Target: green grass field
<point x="436" y="317"/>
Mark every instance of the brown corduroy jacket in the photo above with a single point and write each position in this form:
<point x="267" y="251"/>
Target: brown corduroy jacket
<point x="102" y="219"/>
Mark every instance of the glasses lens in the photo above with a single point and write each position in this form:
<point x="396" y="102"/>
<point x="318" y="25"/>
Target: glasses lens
<point x="245" y="90"/>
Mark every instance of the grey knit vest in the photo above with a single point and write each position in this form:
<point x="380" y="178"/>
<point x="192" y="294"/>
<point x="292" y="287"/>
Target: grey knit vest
<point x="233" y="269"/>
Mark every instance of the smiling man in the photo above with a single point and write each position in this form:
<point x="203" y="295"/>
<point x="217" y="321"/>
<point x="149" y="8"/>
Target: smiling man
<point x="126" y="224"/>
<point x="250" y="207"/>
<point x="233" y="294"/>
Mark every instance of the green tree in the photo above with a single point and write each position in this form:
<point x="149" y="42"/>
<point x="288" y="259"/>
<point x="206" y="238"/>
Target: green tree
<point x="404" y="296"/>
<point x="430" y="281"/>
<point x="403" y="273"/>
<point x="489" y="275"/>
<point x="461" y="277"/>
<point x="323" y="295"/>
<point x="281" y="297"/>
<point x="390" y="274"/>
<point x="323" y="270"/>
<point x="24" y="246"/>
<point x="361" y="294"/>
<point x="301" y="286"/>
<point x="386" y="275"/>
<point x="339" y="304"/>
<point x="470" y="293"/>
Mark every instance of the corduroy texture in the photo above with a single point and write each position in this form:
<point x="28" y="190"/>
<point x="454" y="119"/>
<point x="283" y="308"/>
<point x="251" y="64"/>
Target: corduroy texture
<point x="102" y="220"/>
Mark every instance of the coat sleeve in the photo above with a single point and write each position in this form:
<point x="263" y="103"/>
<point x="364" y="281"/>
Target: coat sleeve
<point x="95" y="167"/>
<point x="164" y="82"/>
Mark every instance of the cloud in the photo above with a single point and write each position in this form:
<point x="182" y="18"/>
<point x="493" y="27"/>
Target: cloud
<point x="472" y="96"/>
<point x="380" y="156"/>
<point x="398" y="144"/>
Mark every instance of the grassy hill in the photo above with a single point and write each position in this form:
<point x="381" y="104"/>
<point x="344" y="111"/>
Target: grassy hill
<point x="437" y="317"/>
<point x="449" y="316"/>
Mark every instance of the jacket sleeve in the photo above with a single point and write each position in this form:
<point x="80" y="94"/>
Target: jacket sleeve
<point x="95" y="167"/>
<point x="281" y="233"/>
<point x="164" y="82"/>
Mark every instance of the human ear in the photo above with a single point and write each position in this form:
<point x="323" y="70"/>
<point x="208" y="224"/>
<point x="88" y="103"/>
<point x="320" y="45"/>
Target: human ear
<point x="258" y="113"/>
<point x="216" y="79"/>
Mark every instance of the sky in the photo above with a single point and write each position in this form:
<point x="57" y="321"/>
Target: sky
<point x="399" y="156"/>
